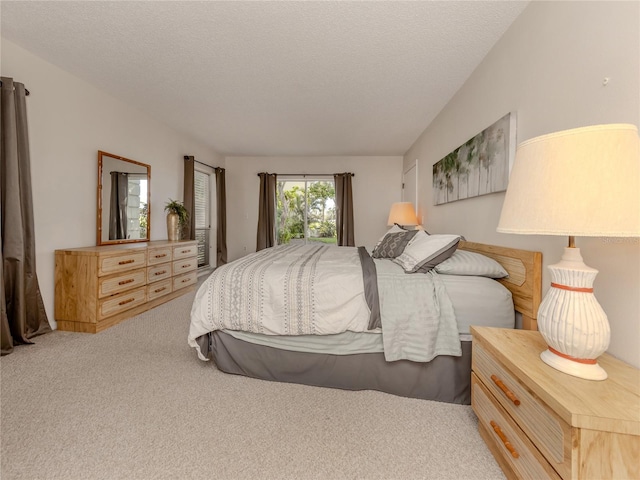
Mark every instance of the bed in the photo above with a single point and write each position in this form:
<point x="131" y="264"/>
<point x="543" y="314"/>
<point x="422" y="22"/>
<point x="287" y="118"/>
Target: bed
<point x="354" y="354"/>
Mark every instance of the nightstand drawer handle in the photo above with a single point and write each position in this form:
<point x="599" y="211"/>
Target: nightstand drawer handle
<point x="503" y="437"/>
<point x="506" y="391"/>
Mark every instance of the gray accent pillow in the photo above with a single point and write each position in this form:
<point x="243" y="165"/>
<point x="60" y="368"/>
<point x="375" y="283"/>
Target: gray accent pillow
<point x="463" y="262"/>
<point x="393" y="244"/>
<point x="424" y="252"/>
<point x="394" y="229"/>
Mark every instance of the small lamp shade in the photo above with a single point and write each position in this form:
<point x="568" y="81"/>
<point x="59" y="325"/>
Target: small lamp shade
<point x="402" y="213"/>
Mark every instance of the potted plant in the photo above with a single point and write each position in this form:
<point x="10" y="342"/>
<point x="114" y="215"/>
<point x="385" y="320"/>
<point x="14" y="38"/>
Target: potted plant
<point x="177" y="217"/>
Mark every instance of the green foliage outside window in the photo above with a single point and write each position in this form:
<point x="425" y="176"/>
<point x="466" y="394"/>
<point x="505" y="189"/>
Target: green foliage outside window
<point x="321" y="214"/>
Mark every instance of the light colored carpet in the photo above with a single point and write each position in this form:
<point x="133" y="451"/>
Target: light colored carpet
<point x="134" y="402"/>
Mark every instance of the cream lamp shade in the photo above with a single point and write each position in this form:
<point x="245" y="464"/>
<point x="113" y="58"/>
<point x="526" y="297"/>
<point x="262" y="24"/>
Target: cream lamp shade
<point x="402" y="213"/>
<point x="580" y="182"/>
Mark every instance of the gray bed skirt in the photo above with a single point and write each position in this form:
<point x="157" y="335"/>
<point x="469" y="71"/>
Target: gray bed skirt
<point x="444" y="379"/>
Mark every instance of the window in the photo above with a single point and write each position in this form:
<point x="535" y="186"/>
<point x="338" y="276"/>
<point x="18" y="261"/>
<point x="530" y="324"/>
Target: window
<point x="306" y="211"/>
<point x="137" y="206"/>
<point x="202" y="188"/>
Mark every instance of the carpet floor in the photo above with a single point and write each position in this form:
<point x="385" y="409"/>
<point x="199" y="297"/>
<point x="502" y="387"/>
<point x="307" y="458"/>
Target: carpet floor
<point x="134" y="402"/>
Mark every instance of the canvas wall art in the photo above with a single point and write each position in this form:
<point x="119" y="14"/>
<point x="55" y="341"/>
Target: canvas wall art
<point x="479" y="166"/>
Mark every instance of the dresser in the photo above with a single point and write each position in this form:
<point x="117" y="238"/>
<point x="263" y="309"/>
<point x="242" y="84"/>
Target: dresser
<point x="98" y="287"/>
<point x="541" y="423"/>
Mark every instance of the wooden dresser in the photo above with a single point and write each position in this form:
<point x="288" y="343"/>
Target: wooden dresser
<point x="98" y="287"/>
<point x="541" y="423"/>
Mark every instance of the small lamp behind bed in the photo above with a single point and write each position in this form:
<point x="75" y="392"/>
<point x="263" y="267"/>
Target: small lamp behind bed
<point x="580" y="182"/>
<point x="403" y="214"/>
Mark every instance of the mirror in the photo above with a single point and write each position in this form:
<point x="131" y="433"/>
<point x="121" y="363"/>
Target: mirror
<point x="124" y="196"/>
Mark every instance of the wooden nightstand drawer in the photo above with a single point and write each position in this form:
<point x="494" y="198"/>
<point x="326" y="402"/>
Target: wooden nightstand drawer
<point x="505" y="438"/>
<point x="159" y="255"/>
<point x="599" y="421"/>
<point x="550" y="434"/>
<point x="121" y="282"/>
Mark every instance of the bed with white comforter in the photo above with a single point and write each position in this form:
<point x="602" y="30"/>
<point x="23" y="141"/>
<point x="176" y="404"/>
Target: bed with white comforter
<point x="334" y="317"/>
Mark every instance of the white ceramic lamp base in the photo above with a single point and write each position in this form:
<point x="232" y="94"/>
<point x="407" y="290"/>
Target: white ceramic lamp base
<point x="591" y="371"/>
<point x="571" y="320"/>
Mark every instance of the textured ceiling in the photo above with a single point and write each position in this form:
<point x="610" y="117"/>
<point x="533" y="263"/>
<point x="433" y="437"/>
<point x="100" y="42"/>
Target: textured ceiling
<point x="272" y="78"/>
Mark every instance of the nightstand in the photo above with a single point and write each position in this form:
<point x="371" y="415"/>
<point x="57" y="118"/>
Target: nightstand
<point x="541" y="423"/>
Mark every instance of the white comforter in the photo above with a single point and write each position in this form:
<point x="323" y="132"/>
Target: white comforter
<point x="319" y="290"/>
<point x="285" y="290"/>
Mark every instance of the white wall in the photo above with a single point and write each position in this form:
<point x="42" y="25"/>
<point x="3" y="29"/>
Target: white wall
<point x="376" y="186"/>
<point x="69" y="121"/>
<point x="549" y="67"/>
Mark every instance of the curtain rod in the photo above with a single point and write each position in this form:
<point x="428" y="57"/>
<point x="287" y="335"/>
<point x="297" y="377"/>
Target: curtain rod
<point x="186" y="157"/>
<point x="303" y="175"/>
<point x="26" y="92"/>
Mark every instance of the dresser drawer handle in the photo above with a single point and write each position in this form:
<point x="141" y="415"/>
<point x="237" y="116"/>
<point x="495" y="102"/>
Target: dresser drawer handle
<point x="186" y="280"/>
<point x="186" y="266"/>
<point x="506" y="391"/>
<point x="503" y="437"/>
<point x="128" y="300"/>
<point x="161" y="255"/>
<point x="159" y="289"/>
<point x="124" y="262"/>
<point x="186" y="251"/>
<point x="124" y="282"/>
<point x="160" y="273"/>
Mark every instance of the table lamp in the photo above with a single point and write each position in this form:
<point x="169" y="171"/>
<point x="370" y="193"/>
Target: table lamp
<point x="579" y="182"/>
<point x="403" y="214"/>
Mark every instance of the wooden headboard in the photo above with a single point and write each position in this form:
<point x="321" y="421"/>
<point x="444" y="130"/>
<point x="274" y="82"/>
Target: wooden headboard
<point x="524" y="280"/>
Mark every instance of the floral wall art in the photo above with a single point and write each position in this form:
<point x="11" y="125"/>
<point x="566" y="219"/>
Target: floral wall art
<point x="479" y="166"/>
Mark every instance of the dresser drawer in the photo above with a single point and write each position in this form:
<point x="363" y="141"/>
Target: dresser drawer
<point x="182" y="281"/>
<point x="121" y="263"/>
<point x="505" y="438"/>
<point x="121" y="302"/>
<point x="551" y="434"/>
<point x="158" y="272"/>
<point x="121" y="282"/>
<point x="184" y="266"/>
<point x="159" y="255"/>
<point x="185" y="251"/>
<point x="158" y="289"/>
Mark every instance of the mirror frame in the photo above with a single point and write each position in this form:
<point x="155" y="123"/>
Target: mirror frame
<point x="99" y="240"/>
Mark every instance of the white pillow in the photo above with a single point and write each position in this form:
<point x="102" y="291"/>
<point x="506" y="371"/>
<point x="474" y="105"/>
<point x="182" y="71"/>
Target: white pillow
<point x="471" y="263"/>
<point x="426" y="251"/>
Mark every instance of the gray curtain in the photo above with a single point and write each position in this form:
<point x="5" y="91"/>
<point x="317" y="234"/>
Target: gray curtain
<point x="22" y="309"/>
<point x="118" y="202"/>
<point x="221" y="215"/>
<point x="344" y="209"/>
<point x="266" y="236"/>
<point x="189" y="229"/>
